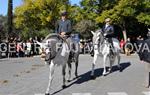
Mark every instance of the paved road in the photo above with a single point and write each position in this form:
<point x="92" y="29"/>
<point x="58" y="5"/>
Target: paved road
<point x="29" y="76"/>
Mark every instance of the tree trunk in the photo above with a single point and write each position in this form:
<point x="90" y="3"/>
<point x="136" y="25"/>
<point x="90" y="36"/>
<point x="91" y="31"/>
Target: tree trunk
<point x="9" y="19"/>
<point x="124" y="31"/>
<point x="124" y="35"/>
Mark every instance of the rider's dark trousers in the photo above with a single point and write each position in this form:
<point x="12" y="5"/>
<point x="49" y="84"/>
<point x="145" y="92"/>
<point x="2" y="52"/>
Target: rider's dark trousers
<point x="111" y="42"/>
<point x="147" y="81"/>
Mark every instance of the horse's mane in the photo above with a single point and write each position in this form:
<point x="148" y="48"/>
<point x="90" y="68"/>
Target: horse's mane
<point x="54" y="36"/>
<point x="95" y="34"/>
<point x="98" y="30"/>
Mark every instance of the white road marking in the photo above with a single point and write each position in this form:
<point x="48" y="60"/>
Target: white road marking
<point x="146" y="93"/>
<point x="117" y="93"/>
<point x="81" y="94"/>
<point x="39" y="94"/>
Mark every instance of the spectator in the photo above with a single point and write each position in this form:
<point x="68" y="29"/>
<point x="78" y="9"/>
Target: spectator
<point x="28" y="48"/>
<point x="128" y="47"/>
<point x="36" y="47"/>
<point x="148" y="34"/>
<point x="20" y="51"/>
<point x="122" y="43"/>
<point x="32" y="47"/>
<point x="144" y="56"/>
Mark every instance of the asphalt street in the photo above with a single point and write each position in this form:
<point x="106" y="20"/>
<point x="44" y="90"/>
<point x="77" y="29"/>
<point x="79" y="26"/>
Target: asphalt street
<point x="29" y="76"/>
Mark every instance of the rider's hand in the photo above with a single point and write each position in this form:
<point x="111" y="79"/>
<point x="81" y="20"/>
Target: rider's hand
<point x="105" y="34"/>
<point x="142" y="61"/>
<point x="63" y="34"/>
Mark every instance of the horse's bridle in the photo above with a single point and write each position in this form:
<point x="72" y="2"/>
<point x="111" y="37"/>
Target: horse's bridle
<point x="102" y="42"/>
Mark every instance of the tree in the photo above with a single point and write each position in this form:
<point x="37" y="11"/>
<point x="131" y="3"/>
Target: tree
<point x="86" y="14"/>
<point x="93" y="8"/>
<point x="124" y="14"/>
<point x="39" y="15"/>
<point x="144" y="15"/>
<point x="84" y="28"/>
<point x="36" y="15"/>
<point x="3" y="26"/>
<point x="10" y="18"/>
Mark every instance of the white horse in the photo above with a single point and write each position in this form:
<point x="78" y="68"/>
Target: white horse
<point x="102" y="47"/>
<point x="57" y="53"/>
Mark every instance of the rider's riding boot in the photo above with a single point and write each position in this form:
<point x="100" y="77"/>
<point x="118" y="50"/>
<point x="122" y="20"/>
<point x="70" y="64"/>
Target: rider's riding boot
<point x="71" y="48"/>
<point x="111" y="46"/>
<point x="73" y="52"/>
<point x="112" y="49"/>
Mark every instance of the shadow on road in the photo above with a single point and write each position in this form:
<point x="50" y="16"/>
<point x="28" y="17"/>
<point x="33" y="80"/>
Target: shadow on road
<point x="98" y="72"/>
<point x="123" y="67"/>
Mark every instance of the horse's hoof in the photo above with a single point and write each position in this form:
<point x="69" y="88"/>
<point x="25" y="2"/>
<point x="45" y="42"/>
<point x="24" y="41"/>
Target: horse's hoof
<point x="64" y="86"/>
<point x="93" y="77"/>
<point x="76" y="76"/>
<point x="120" y="69"/>
<point x="47" y="94"/>
<point x="105" y="74"/>
<point x="92" y="55"/>
<point x="68" y="80"/>
<point x="110" y="71"/>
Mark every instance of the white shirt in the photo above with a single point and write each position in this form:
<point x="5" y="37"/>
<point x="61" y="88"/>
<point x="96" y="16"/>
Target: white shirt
<point x="106" y="26"/>
<point x="28" y="46"/>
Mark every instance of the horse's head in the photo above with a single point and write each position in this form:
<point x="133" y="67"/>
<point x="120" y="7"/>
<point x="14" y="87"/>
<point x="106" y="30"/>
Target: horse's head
<point x="97" y="36"/>
<point x="50" y="46"/>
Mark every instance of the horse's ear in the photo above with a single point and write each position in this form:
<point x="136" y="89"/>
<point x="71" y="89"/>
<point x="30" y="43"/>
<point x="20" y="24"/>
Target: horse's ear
<point x="92" y="32"/>
<point x="99" y="33"/>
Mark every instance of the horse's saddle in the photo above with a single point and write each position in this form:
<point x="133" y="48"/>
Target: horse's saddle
<point x="52" y="54"/>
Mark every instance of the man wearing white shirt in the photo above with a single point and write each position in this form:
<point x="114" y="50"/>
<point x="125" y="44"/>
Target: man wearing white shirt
<point x="108" y="31"/>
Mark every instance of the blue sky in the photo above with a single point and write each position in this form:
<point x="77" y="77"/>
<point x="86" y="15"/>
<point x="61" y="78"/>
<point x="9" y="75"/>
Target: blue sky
<point x="4" y="4"/>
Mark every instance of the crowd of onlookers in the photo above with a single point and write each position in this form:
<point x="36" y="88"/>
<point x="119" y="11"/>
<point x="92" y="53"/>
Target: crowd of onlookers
<point x="128" y="46"/>
<point x="86" y="46"/>
<point x="16" y="47"/>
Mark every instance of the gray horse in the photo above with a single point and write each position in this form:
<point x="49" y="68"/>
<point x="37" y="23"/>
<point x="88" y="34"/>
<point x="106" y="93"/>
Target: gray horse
<point x="57" y="52"/>
<point x="102" y="47"/>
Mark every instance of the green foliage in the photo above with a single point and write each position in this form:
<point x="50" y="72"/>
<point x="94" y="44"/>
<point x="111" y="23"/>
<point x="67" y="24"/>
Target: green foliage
<point x="144" y="18"/>
<point x="144" y="15"/>
<point x="26" y="34"/>
<point x="125" y="9"/>
<point x="37" y="15"/>
<point x="128" y="14"/>
<point x="84" y="27"/>
<point x="41" y="15"/>
<point x="94" y="8"/>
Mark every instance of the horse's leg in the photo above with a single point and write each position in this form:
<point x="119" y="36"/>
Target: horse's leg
<point x="76" y="67"/>
<point x="118" y="57"/>
<point x="104" y="64"/>
<point x="111" y="63"/>
<point x="64" y="73"/>
<point x="51" y="73"/>
<point x="69" y="71"/>
<point x="93" y="66"/>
